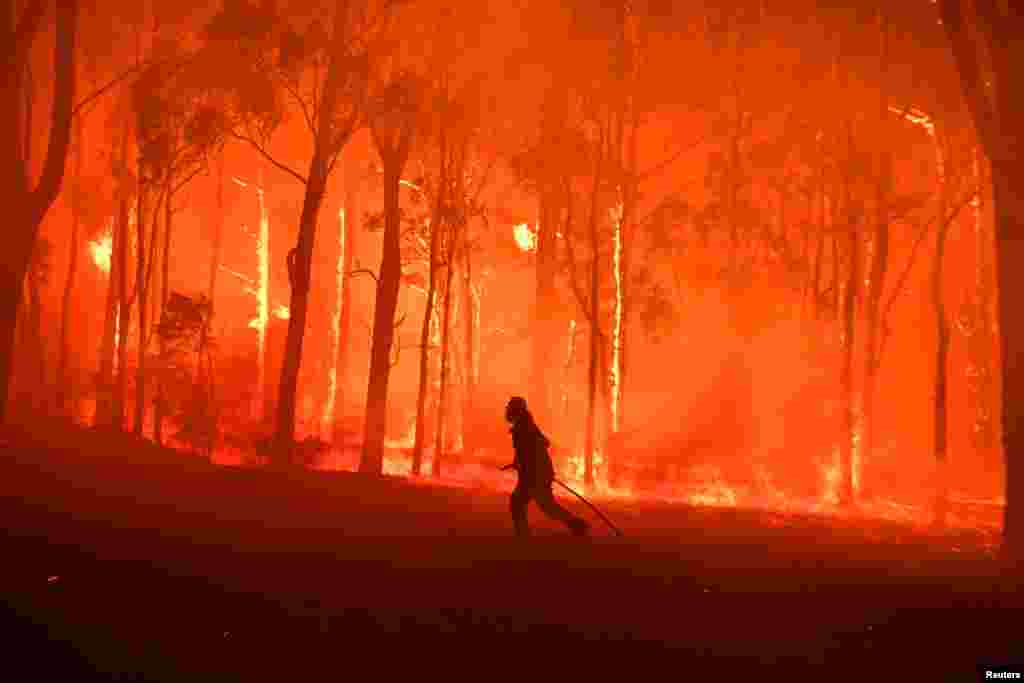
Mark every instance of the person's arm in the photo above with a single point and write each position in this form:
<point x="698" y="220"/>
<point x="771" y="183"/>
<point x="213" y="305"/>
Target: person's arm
<point x="516" y="447"/>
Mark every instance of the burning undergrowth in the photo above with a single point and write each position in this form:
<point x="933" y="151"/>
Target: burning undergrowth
<point x="696" y="486"/>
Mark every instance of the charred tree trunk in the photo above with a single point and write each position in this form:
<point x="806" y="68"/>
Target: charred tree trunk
<point x="848" y="436"/>
<point x="142" y="292"/>
<point x="36" y="347"/>
<point x="442" y="398"/>
<point x="998" y="115"/>
<point x="124" y="308"/>
<point x="879" y="267"/>
<point x="545" y="328"/>
<point x="299" y="263"/>
<point x="160" y="401"/>
<point x="328" y="142"/>
<point x="143" y="287"/>
<point x="939" y="398"/>
<point x="593" y="375"/>
<point x="392" y="134"/>
<point x="66" y="392"/>
<point x="436" y="224"/>
<point x="372" y="459"/>
<point x="469" y="358"/>
<point x="819" y="249"/>
<point x="345" y="318"/>
<point x="105" y="378"/>
<point x="28" y="205"/>
<point x="1008" y="196"/>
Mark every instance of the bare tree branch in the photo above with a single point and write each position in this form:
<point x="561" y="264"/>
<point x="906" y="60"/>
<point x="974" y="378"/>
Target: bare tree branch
<point x="263" y="152"/>
<point x="102" y="90"/>
<point x="911" y="259"/>
<point x="362" y="271"/>
<point x="302" y="105"/>
<point x="662" y="165"/>
<point x="185" y="181"/>
<point x="971" y="74"/>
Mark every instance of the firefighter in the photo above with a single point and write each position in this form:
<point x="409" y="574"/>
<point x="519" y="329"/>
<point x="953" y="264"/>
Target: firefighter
<point x="536" y="473"/>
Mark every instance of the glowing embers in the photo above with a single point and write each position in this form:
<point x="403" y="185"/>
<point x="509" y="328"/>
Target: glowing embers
<point x="525" y="236"/>
<point x="102" y="248"/>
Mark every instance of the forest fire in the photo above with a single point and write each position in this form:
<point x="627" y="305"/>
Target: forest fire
<point x="744" y="299"/>
<point x="260" y="288"/>
<point x="356" y="283"/>
<point x="102" y="249"/>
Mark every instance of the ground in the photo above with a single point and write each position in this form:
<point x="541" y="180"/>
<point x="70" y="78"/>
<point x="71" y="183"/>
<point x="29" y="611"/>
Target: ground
<point x="122" y="561"/>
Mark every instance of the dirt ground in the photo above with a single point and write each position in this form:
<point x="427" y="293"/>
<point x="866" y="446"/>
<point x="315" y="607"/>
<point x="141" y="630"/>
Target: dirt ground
<point x="122" y="561"/>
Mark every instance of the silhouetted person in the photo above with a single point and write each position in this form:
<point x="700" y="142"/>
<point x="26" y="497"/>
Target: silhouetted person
<point x="536" y="473"/>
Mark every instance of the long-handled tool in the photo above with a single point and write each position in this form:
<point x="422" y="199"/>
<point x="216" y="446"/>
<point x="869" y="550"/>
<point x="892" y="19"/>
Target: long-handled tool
<point x="618" y="532"/>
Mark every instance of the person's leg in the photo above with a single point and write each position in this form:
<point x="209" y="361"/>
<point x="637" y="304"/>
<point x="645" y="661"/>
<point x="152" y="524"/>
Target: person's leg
<point x="550" y="507"/>
<point x="518" y="502"/>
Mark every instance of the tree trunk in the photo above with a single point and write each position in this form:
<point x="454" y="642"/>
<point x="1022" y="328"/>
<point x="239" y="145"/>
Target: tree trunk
<point x="1007" y="179"/>
<point x="546" y="329"/>
<point x="34" y="331"/>
<point x="848" y="437"/>
<point x="388" y="282"/>
<point x="124" y="317"/>
<point x="442" y="400"/>
<point x="997" y="117"/>
<point x="27" y="206"/>
<point x="10" y="301"/>
<point x="328" y="143"/>
<point x="878" y="270"/>
<point x="595" y="328"/>
<point x="142" y="292"/>
<point x="428" y="316"/>
<point x="330" y="415"/>
<point x="160" y="402"/>
<point x="939" y="398"/>
<point x="105" y="380"/>
<point x="299" y="264"/>
<point x="345" y="322"/>
<point x="66" y="393"/>
<point x="469" y="359"/>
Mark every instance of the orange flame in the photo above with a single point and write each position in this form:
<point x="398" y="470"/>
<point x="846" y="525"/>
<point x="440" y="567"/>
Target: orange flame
<point x="526" y="238"/>
<point x="102" y="248"/>
<point x="616" y="366"/>
<point x="327" y="418"/>
<point x="282" y="312"/>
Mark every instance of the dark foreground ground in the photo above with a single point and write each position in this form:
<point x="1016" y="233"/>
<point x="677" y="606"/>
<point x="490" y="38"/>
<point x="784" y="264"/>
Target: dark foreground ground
<point x="120" y="561"/>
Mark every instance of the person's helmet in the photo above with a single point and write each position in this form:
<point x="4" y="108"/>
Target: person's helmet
<point x="515" y="408"/>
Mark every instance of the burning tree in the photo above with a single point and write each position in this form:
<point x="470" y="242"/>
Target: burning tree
<point x="27" y="204"/>
<point x="259" y="287"/>
<point x="277" y="56"/>
<point x="185" y="348"/>
<point x="178" y="129"/>
<point x="982" y="37"/>
<point x="394" y="120"/>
